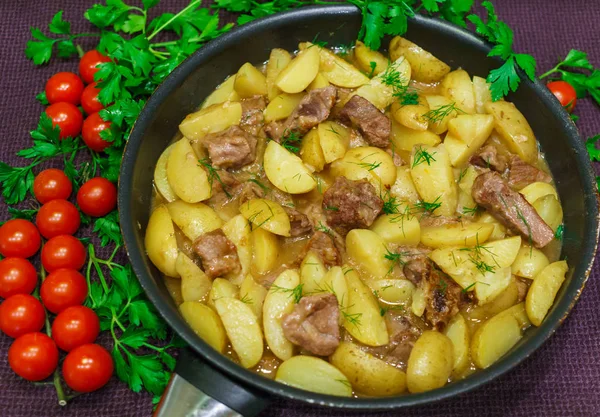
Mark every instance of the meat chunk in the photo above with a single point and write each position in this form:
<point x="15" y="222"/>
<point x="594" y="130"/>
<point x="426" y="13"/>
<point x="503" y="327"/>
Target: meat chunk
<point x="521" y="174"/>
<point x="442" y="294"/>
<point x="314" y="324"/>
<point x="252" y="114"/>
<point x="219" y="255"/>
<point x="224" y="188"/>
<point x="373" y="124"/>
<point x="231" y="148"/>
<point x="398" y="161"/>
<point x="313" y="109"/>
<point x="351" y="205"/>
<point x="323" y="245"/>
<point x="248" y="191"/>
<point x="488" y="157"/>
<point x="300" y="225"/>
<point x="510" y="208"/>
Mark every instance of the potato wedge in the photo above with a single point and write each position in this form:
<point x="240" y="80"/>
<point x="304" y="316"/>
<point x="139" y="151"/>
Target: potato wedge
<point x="334" y="282"/>
<point x="401" y="228"/>
<point x="160" y="176"/>
<point x="494" y="339"/>
<point x="279" y="302"/>
<point x="300" y="72"/>
<point x="393" y="291"/>
<point x="250" y="82"/>
<point x="242" y="330"/>
<point x="186" y="177"/>
<point x="367" y="250"/>
<point x="405" y="139"/>
<point x="380" y="90"/>
<point x="537" y="190"/>
<point x="205" y="323"/>
<point x="286" y="171"/>
<point x="224" y="92"/>
<point x="253" y="294"/>
<point x="265" y="250"/>
<point x="456" y="234"/>
<point x="425" y="67"/>
<point x="368" y="374"/>
<point x="507" y="299"/>
<point x="442" y="110"/>
<point x="311" y="151"/>
<point x="411" y="115"/>
<point x="266" y="214"/>
<point x="237" y="231"/>
<point x="319" y="82"/>
<point x="376" y="161"/>
<point x="491" y="284"/>
<point x="543" y="291"/>
<point x="499" y="229"/>
<point x="312" y="272"/>
<point x="362" y="314"/>
<point x="338" y="71"/>
<point x="334" y="139"/>
<point x="458" y="333"/>
<point x="550" y="211"/>
<point x="212" y="119"/>
<point x="432" y="175"/>
<point x="195" y="219"/>
<point x="457" y="86"/>
<point x="368" y="60"/>
<point x="160" y="242"/>
<point x="481" y="88"/>
<point x="313" y="374"/>
<point x="404" y="187"/>
<point x="430" y="362"/>
<point x="281" y="106"/>
<point x="530" y="262"/>
<point x="195" y="285"/>
<point x="466" y="134"/>
<point x="514" y="129"/>
<point x="418" y="302"/>
<point x="278" y="60"/>
<point x="221" y="288"/>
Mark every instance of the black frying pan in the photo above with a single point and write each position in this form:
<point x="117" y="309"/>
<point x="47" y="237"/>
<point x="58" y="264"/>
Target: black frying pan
<point x="217" y="385"/>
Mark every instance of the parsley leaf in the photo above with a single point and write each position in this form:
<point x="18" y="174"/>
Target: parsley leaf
<point x="594" y="152"/>
<point x="108" y="229"/>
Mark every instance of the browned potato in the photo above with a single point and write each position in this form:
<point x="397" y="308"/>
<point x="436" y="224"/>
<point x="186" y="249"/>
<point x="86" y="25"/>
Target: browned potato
<point x="425" y="67"/>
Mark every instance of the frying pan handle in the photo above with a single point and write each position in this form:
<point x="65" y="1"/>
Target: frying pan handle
<point x="196" y="389"/>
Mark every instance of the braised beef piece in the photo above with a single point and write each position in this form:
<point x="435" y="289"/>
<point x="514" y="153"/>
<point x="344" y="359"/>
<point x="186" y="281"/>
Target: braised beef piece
<point x="523" y="287"/>
<point x="373" y="124"/>
<point x="225" y="189"/>
<point x="351" y="205"/>
<point x="218" y="254"/>
<point x="313" y="109"/>
<point x="323" y="245"/>
<point x="398" y="161"/>
<point x="231" y="148"/>
<point x="248" y="191"/>
<point x="314" y="324"/>
<point x="510" y="208"/>
<point x="488" y="157"/>
<point x="252" y="114"/>
<point x="442" y="294"/>
<point x="521" y="174"/>
<point x="300" y="225"/>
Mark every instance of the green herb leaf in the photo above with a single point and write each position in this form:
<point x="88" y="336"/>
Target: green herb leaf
<point x="590" y="145"/>
<point x="58" y="25"/>
<point x="108" y="229"/>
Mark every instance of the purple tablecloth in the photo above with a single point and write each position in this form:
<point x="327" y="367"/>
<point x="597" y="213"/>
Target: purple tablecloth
<point x="561" y="379"/>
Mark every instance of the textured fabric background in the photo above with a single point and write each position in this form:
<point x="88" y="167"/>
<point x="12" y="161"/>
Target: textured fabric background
<point x="561" y="379"/>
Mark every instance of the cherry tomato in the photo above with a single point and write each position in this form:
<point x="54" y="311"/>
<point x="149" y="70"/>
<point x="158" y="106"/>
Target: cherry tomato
<point x="62" y="289"/>
<point x="88" y="63"/>
<point x="21" y="314"/>
<point x="92" y="126"/>
<point x="51" y="184"/>
<point x="75" y="326"/>
<point x="64" y="86"/>
<point x="19" y="238"/>
<point x="33" y="356"/>
<point x="57" y="217"/>
<point x="87" y="368"/>
<point x="565" y="93"/>
<point x="89" y="99"/>
<point x="17" y="276"/>
<point x="67" y="117"/>
<point x="97" y="197"/>
<point x="63" y="251"/>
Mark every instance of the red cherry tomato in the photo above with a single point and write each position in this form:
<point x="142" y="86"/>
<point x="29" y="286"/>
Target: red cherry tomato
<point x="97" y="197"/>
<point x="17" y="276"/>
<point x="57" y="217"/>
<point x="33" y="356"/>
<point x="75" y="326"/>
<point x="64" y="251"/>
<point x="565" y="93"/>
<point x="88" y="63"/>
<point x="67" y="117"/>
<point x="87" y="368"/>
<point x="64" y="86"/>
<point x="92" y="126"/>
<point x="51" y="184"/>
<point x="21" y="314"/>
<point x="62" y="289"/>
<point x="19" y="238"/>
<point x="89" y="99"/>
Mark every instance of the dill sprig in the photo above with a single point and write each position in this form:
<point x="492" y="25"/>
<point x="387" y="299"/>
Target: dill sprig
<point x="256" y="181"/>
<point x="322" y="228"/>
<point x="429" y="208"/>
<point x="396" y="258"/>
<point x="368" y="166"/>
<point x="476" y="257"/>
<point x="421" y="155"/>
<point x="440" y="113"/>
<point x="212" y="175"/>
<point x="331" y="208"/>
<point x="294" y="293"/>
<point x="290" y="141"/>
<point x="397" y="307"/>
<point x="246" y="299"/>
<point x="400" y="88"/>
<point x="353" y="319"/>
<point x="470" y="210"/>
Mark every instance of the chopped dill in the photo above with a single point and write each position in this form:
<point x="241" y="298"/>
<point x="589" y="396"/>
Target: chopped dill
<point x="295" y="293"/>
<point x="345" y="50"/>
<point x="470" y="210"/>
<point x="526" y="223"/>
<point x="345" y="382"/>
<point x="367" y="166"/>
<point x="396" y="258"/>
<point x="560" y="230"/>
<point x="332" y="130"/>
<point x="347" y="270"/>
<point x="322" y="228"/>
<point x="246" y="300"/>
<point x="383" y="310"/>
<point x="372" y="65"/>
<point x="400" y="88"/>
<point x="475" y="257"/>
<point x="439" y="114"/>
<point x="466" y="289"/>
<point x="353" y="319"/>
<point x="321" y="44"/>
<point x="390" y="203"/>
<point x="429" y="207"/>
<point x="421" y="156"/>
<point x="332" y="208"/>
<point x="256" y="181"/>
<point x="212" y="175"/>
<point x="290" y="141"/>
<point x="461" y="175"/>
<point x="442" y="286"/>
